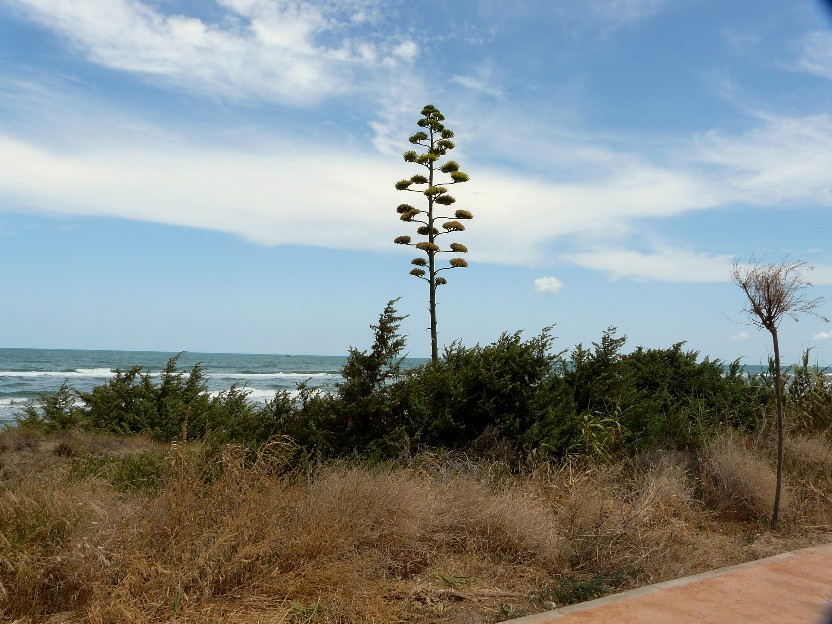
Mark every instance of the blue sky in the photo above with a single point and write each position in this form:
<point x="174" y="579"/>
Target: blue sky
<point x="218" y="175"/>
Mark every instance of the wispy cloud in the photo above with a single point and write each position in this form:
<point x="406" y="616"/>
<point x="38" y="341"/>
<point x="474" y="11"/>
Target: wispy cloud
<point x="662" y="264"/>
<point x="607" y="14"/>
<point x="593" y="189"/>
<point x="264" y="50"/>
<point x="824" y="335"/>
<point x="781" y="159"/>
<point x="480" y="82"/>
<point x="743" y="335"/>
<point x="311" y="195"/>
<point x="816" y="54"/>
<point x="269" y="198"/>
<point x="625" y="11"/>
<point x="547" y="285"/>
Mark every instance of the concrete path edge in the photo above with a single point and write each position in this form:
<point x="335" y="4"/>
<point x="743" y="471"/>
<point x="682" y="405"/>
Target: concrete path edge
<point x="548" y="616"/>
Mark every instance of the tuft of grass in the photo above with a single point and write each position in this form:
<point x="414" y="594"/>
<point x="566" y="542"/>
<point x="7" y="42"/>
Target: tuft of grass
<point x="142" y="472"/>
<point x="572" y="588"/>
<point x="738" y="482"/>
<point x="504" y="522"/>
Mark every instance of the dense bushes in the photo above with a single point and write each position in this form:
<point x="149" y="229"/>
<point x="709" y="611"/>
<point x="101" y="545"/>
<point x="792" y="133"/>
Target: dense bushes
<point x="516" y="399"/>
<point x="507" y="386"/>
<point x="178" y="407"/>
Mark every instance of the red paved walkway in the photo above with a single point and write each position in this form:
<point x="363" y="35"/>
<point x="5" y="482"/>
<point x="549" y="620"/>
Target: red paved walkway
<point x="792" y="588"/>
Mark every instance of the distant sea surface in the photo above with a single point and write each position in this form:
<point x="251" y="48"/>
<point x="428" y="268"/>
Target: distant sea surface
<point x="27" y="373"/>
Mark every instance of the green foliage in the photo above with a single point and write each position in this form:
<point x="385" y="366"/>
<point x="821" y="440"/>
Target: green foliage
<point x="140" y="472"/>
<point x="573" y="588"/>
<point x="124" y="404"/>
<point x="180" y="401"/>
<point x="507" y="386"/>
<point x="131" y="403"/>
<point x="656" y="397"/>
<point x="809" y="395"/>
<point x="365" y="408"/>
<point x="515" y="398"/>
<point x="51" y="412"/>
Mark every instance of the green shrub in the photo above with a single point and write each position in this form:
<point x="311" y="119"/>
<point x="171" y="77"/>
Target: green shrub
<point x="181" y="401"/>
<point x="653" y="398"/>
<point x="809" y="394"/>
<point x="124" y="404"/>
<point x="52" y="412"/>
<point x="364" y="415"/>
<point x="508" y="386"/>
<point x="131" y="403"/>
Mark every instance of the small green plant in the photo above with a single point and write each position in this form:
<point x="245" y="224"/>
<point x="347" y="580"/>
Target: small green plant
<point x="509" y="612"/>
<point x="313" y="612"/>
<point x="177" y="601"/>
<point x="455" y="581"/>
<point x="573" y="588"/>
<point x="140" y="472"/>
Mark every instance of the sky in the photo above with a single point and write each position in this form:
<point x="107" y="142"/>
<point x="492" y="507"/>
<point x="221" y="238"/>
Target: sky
<point x="218" y="175"/>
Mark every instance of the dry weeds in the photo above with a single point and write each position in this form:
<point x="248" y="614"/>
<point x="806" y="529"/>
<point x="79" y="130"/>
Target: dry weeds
<point x="737" y="481"/>
<point x="228" y="539"/>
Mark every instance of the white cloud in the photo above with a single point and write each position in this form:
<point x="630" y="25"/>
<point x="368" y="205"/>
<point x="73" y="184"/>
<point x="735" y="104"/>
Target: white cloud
<point x="606" y="14"/>
<point x="743" y="335"/>
<point x="821" y="275"/>
<point x="663" y="264"/>
<point x="816" y="54"/>
<point x="624" y="11"/>
<point x="119" y="167"/>
<point x="263" y="50"/>
<point x="782" y="159"/>
<point x="480" y="83"/>
<point x="824" y="335"/>
<point x="547" y="285"/>
<point x="269" y="198"/>
<point x="311" y="195"/>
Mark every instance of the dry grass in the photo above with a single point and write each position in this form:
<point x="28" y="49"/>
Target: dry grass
<point x="738" y="482"/>
<point x="808" y="462"/>
<point x="227" y="539"/>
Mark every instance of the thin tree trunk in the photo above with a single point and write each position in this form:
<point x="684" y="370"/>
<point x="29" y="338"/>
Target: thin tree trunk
<point x="778" y="394"/>
<point x="434" y="341"/>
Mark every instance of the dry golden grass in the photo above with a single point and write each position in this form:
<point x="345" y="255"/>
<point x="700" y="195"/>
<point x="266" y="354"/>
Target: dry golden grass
<point x="737" y="481"/>
<point x="86" y="537"/>
<point x="808" y="462"/>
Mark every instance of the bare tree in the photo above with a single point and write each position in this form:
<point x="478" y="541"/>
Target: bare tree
<point x="775" y="290"/>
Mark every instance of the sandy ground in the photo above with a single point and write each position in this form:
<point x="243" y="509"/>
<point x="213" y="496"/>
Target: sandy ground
<point x="794" y="587"/>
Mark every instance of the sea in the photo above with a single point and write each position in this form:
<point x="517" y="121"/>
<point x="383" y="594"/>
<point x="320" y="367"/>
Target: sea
<point x="26" y="374"/>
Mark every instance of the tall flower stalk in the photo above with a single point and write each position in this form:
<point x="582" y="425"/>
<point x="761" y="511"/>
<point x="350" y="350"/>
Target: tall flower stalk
<point x="436" y="221"/>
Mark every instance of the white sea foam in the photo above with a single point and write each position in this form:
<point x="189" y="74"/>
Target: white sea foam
<point x="258" y="395"/>
<point x="255" y="376"/>
<point x="86" y="373"/>
<point x="106" y="373"/>
<point x="13" y="401"/>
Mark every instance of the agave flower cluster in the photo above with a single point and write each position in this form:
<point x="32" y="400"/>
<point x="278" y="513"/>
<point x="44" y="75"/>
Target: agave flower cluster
<point x="433" y="222"/>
